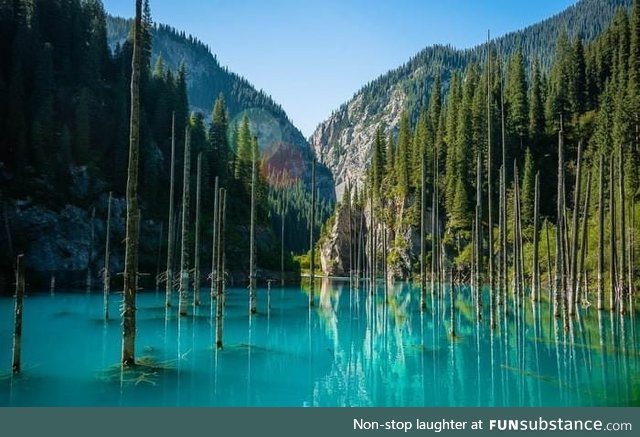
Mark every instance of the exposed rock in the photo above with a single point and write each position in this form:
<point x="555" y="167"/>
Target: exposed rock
<point x="334" y="248"/>
<point x="343" y="142"/>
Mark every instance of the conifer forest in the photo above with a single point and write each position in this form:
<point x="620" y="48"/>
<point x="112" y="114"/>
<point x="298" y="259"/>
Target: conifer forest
<point x="465" y="231"/>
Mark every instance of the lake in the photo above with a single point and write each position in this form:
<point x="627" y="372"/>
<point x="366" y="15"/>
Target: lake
<point x="354" y="348"/>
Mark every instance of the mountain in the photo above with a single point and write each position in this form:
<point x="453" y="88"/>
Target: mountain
<point x="344" y="141"/>
<point x="207" y="79"/>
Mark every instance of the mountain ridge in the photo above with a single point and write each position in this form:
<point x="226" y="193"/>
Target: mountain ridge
<point x="343" y="141"/>
<point x="207" y="79"/>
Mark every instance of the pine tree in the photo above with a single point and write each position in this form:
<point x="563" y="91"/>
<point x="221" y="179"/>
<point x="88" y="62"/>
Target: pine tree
<point x="244" y="152"/>
<point x="516" y="108"/>
<point x="218" y="139"/>
<point x="528" y="189"/>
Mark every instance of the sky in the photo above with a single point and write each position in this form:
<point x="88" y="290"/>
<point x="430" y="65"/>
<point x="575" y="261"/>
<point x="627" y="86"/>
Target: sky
<point x="312" y="56"/>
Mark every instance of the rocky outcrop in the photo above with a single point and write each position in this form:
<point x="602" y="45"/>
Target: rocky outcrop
<point x="403" y="240"/>
<point x="343" y="142"/>
<point x="334" y="246"/>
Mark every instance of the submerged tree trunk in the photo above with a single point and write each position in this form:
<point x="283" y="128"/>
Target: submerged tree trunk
<point x="559" y="294"/>
<point x="623" y="233"/>
<point x="196" y="256"/>
<point x="312" y="219"/>
<point x="535" y="271"/>
<point x="423" y="201"/>
<point x="131" y="241"/>
<point x="600" y="303"/>
<point x="170" y="231"/>
<point x="252" y="238"/>
<point x="220" y="269"/>
<point x="106" y="275"/>
<point x="583" y="244"/>
<point x="214" y="244"/>
<point x="612" y="240"/>
<point x="17" y="326"/>
<point x="573" y="275"/>
<point x="184" y="258"/>
<point x="90" y="251"/>
<point x="489" y="172"/>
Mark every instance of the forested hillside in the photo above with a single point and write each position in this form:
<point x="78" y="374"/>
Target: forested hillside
<point x="472" y="157"/>
<point x="345" y="140"/>
<point x="64" y="124"/>
<point x="206" y="79"/>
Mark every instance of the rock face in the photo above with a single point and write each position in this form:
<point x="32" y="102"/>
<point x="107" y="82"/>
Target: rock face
<point x="334" y="248"/>
<point x="403" y="240"/>
<point x="343" y="142"/>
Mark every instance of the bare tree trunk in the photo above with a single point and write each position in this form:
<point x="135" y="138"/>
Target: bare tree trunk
<point x="282" y="216"/>
<point x="17" y="325"/>
<point x="131" y="245"/>
<point x="106" y="276"/>
<point x="612" y="240"/>
<point x="478" y="238"/>
<point x="252" y="238"/>
<point x="623" y="233"/>
<point x="158" y="275"/>
<point x="583" y="244"/>
<point x="489" y="170"/>
<point x="535" y="270"/>
<point x="312" y="266"/>
<point x="423" y="270"/>
<point x="549" y="271"/>
<point x="559" y="295"/>
<point x="516" y="235"/>
<point x="170" y="231"/>
<point x="214" y="249"/>
<point x="220" y="269"/>
<point x="600" y="304"/>
<point x="350" y="218"/>
<point x="196" y="257"/>
<point x="573" y="298"/>
<point x="184" y="257"/>
<point x="90" y="251"/>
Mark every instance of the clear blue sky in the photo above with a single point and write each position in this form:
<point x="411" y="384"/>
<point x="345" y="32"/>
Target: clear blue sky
<point x="312" y="56"/>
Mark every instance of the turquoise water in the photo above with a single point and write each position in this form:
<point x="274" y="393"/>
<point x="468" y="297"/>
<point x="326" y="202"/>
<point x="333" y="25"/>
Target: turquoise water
<point x="351" y="349"/>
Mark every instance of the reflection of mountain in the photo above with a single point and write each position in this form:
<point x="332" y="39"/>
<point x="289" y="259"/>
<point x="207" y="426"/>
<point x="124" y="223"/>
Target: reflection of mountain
<point x="206" y="79"/>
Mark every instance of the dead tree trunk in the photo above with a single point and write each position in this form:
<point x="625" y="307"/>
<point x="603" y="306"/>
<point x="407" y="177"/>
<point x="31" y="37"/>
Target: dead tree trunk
<point x="17" y="325"/>
<point x="90" y="250"/>
<point x="572" y="299"/>
<point x="583" y="244"/>
<point x="252" y="236"/>
<point x="312" y="219"/>
<point x="214" y="244"/>
<point x="106" y="275"/>
<point x="196" y="255"/>
<point x="220" y="269"/>
<point x="184" y="258"/>
<point x="535" y="271"/>
<point x="600" y="303"/>
<point x="423" y="270"/>
<point x="170" y="232"/>
<point x="623" y="233"/>
<point x="131" y="241"/>
<point x="613" y="288"/>
<point x="559" y="295"/>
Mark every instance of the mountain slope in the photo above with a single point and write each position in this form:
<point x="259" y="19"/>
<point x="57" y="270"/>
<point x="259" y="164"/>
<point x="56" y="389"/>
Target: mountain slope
<point x="343" y="141"/>
<point x="207" y="79"/>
